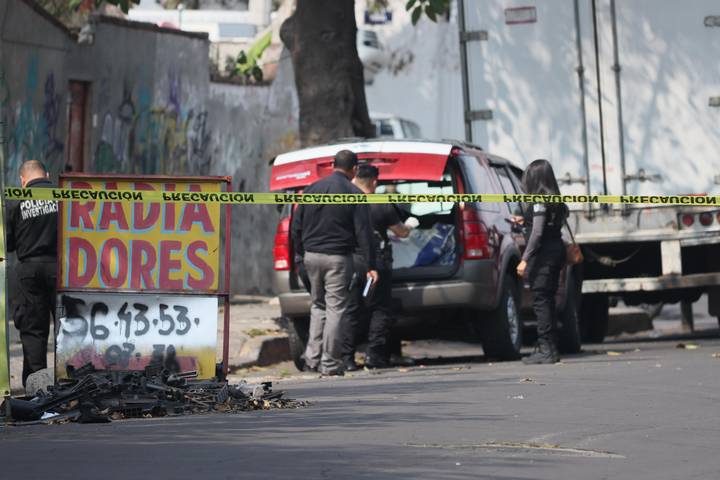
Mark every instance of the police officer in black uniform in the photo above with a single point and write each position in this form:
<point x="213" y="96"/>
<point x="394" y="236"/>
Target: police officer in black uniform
<point x="544" y="257"/>
<point x="32" y="235"/>
<point x="378" y="303"/>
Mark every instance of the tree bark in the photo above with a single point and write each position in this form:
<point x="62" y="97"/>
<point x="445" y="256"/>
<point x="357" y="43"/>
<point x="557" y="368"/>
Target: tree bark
<point x="321" y="36"/>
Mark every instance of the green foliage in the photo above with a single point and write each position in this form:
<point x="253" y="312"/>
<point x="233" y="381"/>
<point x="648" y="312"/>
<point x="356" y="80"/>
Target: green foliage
<point x="123" y="4"/>
<point x="377" y="5"/>
<point x="432" y="9"/>
<point x="71" y="12"/>
<point x="245" y="66"/>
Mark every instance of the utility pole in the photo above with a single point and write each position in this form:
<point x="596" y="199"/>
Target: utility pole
<point x="180" y="9"/>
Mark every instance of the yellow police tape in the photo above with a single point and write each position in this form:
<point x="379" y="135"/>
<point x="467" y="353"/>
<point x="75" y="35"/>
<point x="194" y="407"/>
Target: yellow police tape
<point x="242" y="198"/>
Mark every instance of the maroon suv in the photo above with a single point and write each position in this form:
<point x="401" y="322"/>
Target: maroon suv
<point x="458" y="267"/>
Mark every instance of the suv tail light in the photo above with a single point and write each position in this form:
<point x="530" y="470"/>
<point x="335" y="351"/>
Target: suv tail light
<point x="474" y="235"/>
<point x="281" y="248"/>
<point x="706" y="218"/>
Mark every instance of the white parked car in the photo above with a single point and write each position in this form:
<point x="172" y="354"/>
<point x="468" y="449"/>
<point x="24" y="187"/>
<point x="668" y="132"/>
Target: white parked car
<point x="371" y="53"/>
<point x="391" y="126"/>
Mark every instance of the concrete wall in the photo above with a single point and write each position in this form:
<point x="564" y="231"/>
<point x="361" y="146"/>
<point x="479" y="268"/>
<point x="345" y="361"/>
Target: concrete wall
<point x="152" y="110"/>
<point x="250" y="125"/>
<point x="32" y="87"/>
<point x="147" y="106"/>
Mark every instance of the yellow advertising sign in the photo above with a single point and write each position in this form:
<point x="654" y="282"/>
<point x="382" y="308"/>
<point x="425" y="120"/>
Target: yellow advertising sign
<point x="140" y="246"/>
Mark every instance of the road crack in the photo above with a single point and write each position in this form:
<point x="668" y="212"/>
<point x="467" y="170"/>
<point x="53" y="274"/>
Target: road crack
<point x="542" y="448"/>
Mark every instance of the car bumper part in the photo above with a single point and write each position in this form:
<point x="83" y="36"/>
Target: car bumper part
<point x="412" y="296"/>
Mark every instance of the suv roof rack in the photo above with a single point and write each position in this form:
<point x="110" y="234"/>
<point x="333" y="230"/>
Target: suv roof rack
<point x="335" y="141"/>
<point x="462" y="143"/>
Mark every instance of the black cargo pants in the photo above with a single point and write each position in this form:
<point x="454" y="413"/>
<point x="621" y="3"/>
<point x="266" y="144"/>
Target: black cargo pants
<point x="34" y="310"/>
<point x="355" y="314"/>
<point x="381" y="317"/>
<point x="544" y="276"/>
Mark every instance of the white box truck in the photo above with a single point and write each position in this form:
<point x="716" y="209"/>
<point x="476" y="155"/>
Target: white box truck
<point x="623" y="97"/>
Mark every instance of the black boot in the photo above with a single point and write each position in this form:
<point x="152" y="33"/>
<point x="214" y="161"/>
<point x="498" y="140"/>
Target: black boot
<point x="376" y="358"/>
<point x="546" y="352"/>
<point x="350" y="366"/>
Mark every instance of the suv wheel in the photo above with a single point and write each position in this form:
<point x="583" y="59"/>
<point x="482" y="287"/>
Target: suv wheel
<point x="594" y="317"/>
<point x="501" y="332"/>
<point x="569" y="338"/>
<point x="298" y="329"/>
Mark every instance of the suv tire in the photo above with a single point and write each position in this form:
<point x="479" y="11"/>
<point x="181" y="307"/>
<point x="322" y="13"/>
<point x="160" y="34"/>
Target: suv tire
<point x="569" y="336"/>
<point x="298" y="329"/>
<point x="594" y="318"/>
<point x="501" y="331"/>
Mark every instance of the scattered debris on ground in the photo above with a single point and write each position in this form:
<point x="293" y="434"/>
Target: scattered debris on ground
<point x="531" y="380"/>
<point x="94" y="396"/>
<point x="687" y="346"/>
<point x="261" y="332"/>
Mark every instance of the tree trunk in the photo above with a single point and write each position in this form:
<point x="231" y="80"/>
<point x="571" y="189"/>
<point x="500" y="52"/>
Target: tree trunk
<point x="321" y="36"/>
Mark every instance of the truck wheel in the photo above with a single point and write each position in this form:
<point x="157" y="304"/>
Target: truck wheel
<point x="501" y="332"/>
<point x="569" y="337"/>
<point x="594" y="317"/>
<point x="298" y="329"/>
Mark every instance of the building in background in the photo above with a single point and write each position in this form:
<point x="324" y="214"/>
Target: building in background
<point x="241" y="24"/>
<point x="419" y="79"/>
<point x="230" y="30"/>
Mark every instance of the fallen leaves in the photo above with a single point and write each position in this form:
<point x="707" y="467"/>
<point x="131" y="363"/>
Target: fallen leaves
<point x="261" y="332"/>
<point x="530" y="380"/>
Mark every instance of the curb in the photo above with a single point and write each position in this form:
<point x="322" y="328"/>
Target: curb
<point x="261" y="352"/>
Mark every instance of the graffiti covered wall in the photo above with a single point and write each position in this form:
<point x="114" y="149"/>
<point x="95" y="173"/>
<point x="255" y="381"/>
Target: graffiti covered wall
<point x="250" y="125"/>
<point x="32" y="93"/>
<point x="148" y="99"/>
<point x="151" y="109"/>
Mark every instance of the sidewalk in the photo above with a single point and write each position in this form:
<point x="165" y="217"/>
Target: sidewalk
<point x="256" y="338"/>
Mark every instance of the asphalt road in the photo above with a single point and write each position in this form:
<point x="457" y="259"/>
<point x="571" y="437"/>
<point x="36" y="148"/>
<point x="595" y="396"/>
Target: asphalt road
<point x="639" y="409"/>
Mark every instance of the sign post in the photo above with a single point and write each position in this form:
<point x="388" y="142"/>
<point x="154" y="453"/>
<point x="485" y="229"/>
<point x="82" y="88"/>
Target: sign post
<point x="139" y="283"/>
<point x="4" y="343"/>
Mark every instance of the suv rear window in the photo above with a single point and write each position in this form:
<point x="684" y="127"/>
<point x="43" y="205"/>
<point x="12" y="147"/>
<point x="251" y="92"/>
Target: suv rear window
<point x="443" y="186"/>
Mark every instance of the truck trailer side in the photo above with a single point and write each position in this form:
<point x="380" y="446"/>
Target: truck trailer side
<point x="622" y="98"/>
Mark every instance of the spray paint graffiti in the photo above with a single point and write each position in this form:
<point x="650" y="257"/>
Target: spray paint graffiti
<point x="137" y="137"/>
<point x="32" y="133"/>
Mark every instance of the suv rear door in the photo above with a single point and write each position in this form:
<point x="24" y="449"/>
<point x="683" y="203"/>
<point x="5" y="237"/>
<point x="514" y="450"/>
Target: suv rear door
<point x="396" y="161"/>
